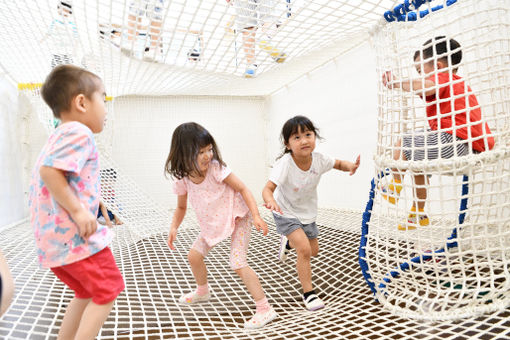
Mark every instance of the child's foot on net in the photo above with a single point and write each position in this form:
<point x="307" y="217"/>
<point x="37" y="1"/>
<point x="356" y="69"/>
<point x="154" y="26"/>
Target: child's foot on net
<point x="284" y="249"/>
<point x="193" y="297"/>
<point x="259" y="320"/>
<point x="312" y="301"/>
<point x="277" y="55"/>
<point x="251" y="71"/>
<point x="414" y="219"/>
<point x="391" y="192"/>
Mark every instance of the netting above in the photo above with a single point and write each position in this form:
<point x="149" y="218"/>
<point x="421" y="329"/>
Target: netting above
<point x="200" y="43"/>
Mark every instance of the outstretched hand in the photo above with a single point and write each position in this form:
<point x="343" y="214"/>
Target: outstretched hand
<point x="388" y="79"/>
<point x="354" y="166"/>
<point x="259" y="223"/>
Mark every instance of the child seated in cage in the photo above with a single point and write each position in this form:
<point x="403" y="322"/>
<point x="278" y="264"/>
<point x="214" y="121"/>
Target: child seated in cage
<point x="454" y="117"/>
<point x="224" y="207"/>
<point x="291" y="194"/>
<point x="64" y="199"/>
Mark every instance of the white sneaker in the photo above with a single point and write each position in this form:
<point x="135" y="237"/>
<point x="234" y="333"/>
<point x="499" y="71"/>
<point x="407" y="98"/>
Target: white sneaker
<point x="193" y="297"/>
<point x="259" y="320"/>
<point x="283" y="252"/>
<point x="251" y="71"/>
<point x="101" y="220"/>
<point x="313" y="303"/>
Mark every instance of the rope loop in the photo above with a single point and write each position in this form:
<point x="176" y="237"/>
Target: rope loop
<point x="408" y="10"/>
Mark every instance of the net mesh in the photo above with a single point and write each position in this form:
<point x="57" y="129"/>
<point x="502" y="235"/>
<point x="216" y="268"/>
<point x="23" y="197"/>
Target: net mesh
<point x="455" y="264"/>
<point x="110" y="39"/>
<point x="465" y="281"/>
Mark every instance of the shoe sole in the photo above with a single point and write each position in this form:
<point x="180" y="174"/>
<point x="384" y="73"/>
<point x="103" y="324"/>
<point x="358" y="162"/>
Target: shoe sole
<point x="265" y="323"/>
<point x="316" y="308"/>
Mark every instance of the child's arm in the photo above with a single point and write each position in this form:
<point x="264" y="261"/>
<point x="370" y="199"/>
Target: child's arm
<point x="424" y="88"/>
<point x="347" y="166"/>
<point x="56" y="182"/>
<point x="269" y="201"/>
<point x="179" y="213"/>
<point x="236" y="184"/>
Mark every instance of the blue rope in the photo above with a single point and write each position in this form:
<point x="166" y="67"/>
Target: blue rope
<point x="408" y="10"/>
<point x="364" y="232"/>
<point x="451" y="241"/>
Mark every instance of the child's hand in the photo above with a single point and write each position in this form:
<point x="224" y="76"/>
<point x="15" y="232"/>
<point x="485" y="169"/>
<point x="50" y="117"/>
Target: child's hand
<point x="104" y="211"/>
<point x="172" y="236"/>
<point x="86" y="222"/>
<point x="354" y="166"/>
<point x="260" y="224"/>
<point x="273" y="206"/>
<point x="388" y="79"/>
<point x="117" y="220"/>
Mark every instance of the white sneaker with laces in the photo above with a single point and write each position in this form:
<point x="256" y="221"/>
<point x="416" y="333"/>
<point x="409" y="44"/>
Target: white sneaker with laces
<point x="313" y="303"/>
<point x="283" y="252"/>
<point x="259" y="320"/>
<point x="193" y="297"/>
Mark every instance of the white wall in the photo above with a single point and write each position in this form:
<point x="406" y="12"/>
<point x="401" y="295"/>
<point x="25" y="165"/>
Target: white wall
<point x="12" y="207"/>
<point x="340" y="98"/>
<point x="144" y="126"/>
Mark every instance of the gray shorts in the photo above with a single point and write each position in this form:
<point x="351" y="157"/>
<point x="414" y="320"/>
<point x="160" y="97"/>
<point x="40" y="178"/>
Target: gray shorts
<point x="433" y="145"/>
<point x="152" y="9"/>
<point x="286" y="225"/>
<point x="254" y="13"/>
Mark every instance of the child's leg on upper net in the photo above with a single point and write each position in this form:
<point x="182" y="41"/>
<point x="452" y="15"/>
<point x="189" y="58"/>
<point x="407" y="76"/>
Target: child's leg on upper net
<point x="156" y="23"/>
<point x="238" y="249"/>
<point x="196" y="256"/>
<point x="96" y="282"/>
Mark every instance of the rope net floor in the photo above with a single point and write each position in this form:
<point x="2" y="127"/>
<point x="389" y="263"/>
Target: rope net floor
<point x="155" y="277"/>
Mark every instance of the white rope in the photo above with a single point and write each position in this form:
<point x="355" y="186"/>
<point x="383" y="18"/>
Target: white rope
<point x="471" y="278"/>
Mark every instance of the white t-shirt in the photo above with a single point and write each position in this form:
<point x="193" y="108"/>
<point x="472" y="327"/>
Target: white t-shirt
<point x="296" y="190"/>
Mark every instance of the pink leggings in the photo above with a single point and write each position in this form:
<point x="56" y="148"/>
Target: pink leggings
<point x="239" y="246"/>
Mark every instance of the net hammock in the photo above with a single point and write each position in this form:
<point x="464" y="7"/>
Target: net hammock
<point x="463" y="281"/>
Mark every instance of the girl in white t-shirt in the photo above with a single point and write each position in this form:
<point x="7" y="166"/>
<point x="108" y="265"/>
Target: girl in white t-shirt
<point x="293" y="181"/>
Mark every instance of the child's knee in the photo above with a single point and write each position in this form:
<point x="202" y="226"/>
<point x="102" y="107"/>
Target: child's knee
<point x="194" y="257"/>
<point x="304" y="251"/>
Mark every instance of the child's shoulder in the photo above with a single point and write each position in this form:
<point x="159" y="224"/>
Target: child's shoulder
<point x="73" y="127"/>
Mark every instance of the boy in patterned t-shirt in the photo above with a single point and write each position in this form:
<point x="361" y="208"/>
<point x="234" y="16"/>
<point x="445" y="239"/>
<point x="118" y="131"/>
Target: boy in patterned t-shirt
<point x="64" y="199"/>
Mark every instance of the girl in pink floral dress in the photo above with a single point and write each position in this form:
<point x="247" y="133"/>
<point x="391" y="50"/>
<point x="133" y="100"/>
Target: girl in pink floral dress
<point x="224" y="207"/>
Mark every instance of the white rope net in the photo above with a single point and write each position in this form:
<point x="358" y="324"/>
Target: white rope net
<point x="194" y="47"/>
<point x="466" y="281"/>
<point x="460" y="265"/>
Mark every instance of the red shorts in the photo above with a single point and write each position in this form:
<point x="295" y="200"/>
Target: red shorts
<point x="96" y="277"/>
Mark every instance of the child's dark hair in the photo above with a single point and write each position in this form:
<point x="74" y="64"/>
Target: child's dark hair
<point x="443" y="49"/>
<point x="294" y="125"/>
<point x="187" y="140"/>
<point x="66" y="82"/>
